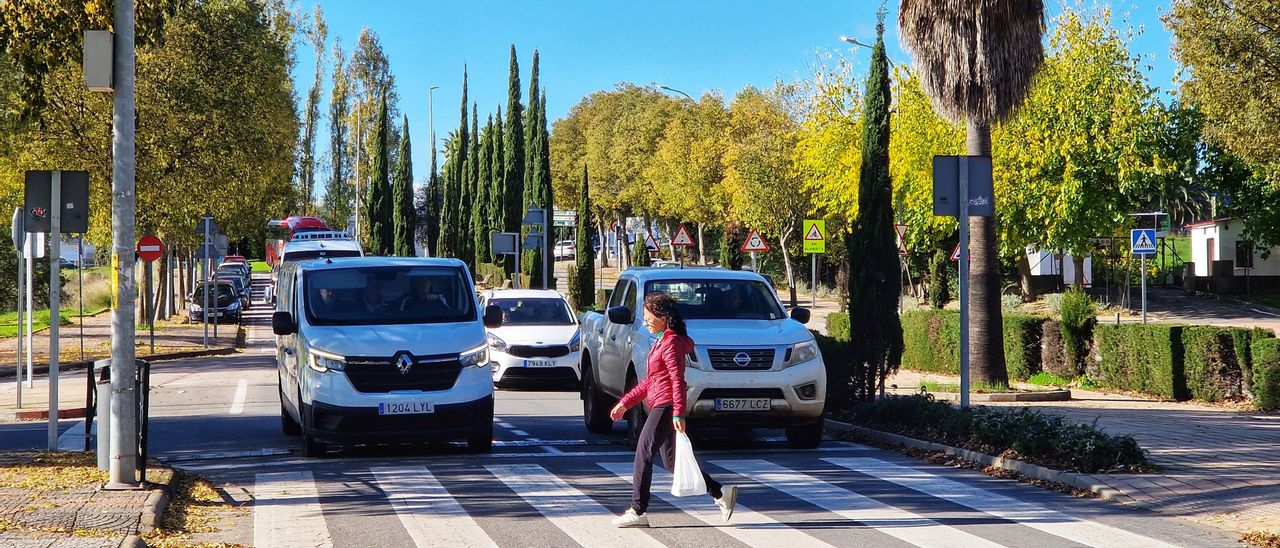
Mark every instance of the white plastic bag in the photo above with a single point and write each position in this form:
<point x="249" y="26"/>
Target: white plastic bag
<point x="687" y="477"/>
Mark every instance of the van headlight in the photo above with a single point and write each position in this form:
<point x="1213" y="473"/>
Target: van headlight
<point x="476" y="357"/>
<point x="575" y="344"/>
<point x="326" y="361"/>
<point x="803" y="352"/>
<point x="496" y="343"/>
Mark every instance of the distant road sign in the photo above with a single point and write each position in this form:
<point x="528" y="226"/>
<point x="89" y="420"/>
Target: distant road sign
<point x="150" y="248"/>
<point x="955" y="254"/>
<point x="682" y="238"/>
<point x="754" y="243"/>
<point x="815" y="239"/>
<point x="901" y="231"/>
<point x="1143" y="241"/>
<point x="650" y="243"/>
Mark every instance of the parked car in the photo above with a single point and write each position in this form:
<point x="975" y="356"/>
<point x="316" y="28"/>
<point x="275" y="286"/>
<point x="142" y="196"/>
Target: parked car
<point x="224" y="302"/>
<point x="235" y="259"/>
<point x="383" y="349"/>
<point x="242" y="267"/>
<point x="566" y="249"/>
<point x="754" y="365"/>
<point x="538" y="339"/>
<point x="243" y="290"/>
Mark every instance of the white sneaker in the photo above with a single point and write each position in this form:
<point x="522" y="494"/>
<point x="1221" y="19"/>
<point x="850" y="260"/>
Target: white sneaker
<point x="727" y="501"/>
<point x="631" y="519"/>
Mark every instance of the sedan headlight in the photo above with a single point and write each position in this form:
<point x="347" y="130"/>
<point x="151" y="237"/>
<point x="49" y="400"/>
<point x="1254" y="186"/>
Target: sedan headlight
<point x="325" y="361"/>
<point x="803" y="352"/>
<point x="476" y="357"/>
<point x="234" y="305"/>
<point x="496" y="343"/>
<point x="575" y="344"/>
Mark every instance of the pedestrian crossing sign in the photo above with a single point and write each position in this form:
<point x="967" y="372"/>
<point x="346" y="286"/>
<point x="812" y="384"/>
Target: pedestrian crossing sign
<point x="754" y="243"/>
<point x="815" y="239"/>
<point x="1143" y="241"/>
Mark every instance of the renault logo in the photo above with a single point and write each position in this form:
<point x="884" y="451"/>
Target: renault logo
<point x="404" y="363"/>
<point x="742" y="359"/>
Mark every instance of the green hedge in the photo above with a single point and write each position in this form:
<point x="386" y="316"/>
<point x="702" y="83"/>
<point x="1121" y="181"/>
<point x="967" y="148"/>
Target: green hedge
<point x="1141" y="358"/>
<point x="931" y="342"/>
<point x="838" y="325"/>
<point x="1266" y="372"/>
<point x="1213" y="362"/>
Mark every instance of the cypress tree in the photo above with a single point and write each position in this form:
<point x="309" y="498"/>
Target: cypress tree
<point x="381" y="234"/>
<point x="544" y="182"/>
<point x="402" y="194"/>
<point x="484" y="187"/>
<point x="873" y="276"/>
<point x="513" y="156"/>
<point x="584" y="280"/>
<point x="532" y="190"/>
<point x="731" y="249"/>
<point x="457" y="185"/>
<point x="640" y="255"/>
<point x="497" y="190"/>
<point x="479" y="194"/>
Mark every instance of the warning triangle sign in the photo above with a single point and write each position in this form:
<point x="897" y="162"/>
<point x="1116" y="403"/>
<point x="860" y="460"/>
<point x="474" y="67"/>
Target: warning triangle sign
<point x="682" y="238"/>
<point x="955" y="254"/>
<point x="814" y="233"/>
<point x="901" y="231"/>
<point x="649" y="242"/>
<point x="754" y="243"/>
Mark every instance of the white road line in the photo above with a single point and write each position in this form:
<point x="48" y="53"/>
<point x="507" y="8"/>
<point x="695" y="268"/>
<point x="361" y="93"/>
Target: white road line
<point x="520" y="433"/>
<point x="242" y="391"/>
<point x="73" y="438"/>
<point x="428" y="512"/>
<point x="1024" y="513"/>
<point x="748" y="526"/>
<point x="896" y="522"/>
<point x="286" y="512"/>
<point x="580" y="517"/>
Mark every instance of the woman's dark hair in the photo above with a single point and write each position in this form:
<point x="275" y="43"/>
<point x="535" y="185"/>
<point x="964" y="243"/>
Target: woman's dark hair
<point x="661" y="304"/>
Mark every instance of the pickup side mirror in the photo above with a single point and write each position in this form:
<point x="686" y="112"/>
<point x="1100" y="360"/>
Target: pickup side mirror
<point x="620" y="315"/>
<point x="282" y="323"/>
<point x="800" y="314"/>
<point x="493" y="316"/>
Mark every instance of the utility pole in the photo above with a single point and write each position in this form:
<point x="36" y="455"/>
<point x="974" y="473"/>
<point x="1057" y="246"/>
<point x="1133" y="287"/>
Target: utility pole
<point x="431" y="125"/>
<point x="124" y="408"/>
<point x="359" y="145"/>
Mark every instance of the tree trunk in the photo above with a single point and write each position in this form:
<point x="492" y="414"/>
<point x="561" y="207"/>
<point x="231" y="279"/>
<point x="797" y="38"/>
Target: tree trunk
<point x="624" y="250"/>
<point x="702" y="250"/>
<point x="786" y="263"/>
<point x="604" y="244"/>
<point x="1024" y="278"/>
<point x="671" y="240"/>
<point x="986" y="327"/>
<point x="1077" y="261"/>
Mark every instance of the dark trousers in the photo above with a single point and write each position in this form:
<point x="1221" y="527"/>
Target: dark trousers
<point x="657" y="436"/>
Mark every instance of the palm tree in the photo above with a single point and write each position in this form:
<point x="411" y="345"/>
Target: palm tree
<point x="976" y="59"/>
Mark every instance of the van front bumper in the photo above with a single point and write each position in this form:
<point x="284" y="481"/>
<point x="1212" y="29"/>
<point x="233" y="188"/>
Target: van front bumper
<point x="346" y="425"/>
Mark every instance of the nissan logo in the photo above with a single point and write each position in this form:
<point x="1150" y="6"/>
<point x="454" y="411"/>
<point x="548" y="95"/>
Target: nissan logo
<point x="742" y="359"/>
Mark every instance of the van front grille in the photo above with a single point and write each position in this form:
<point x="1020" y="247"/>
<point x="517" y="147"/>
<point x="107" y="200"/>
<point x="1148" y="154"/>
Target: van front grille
<point x="382" y="374"/>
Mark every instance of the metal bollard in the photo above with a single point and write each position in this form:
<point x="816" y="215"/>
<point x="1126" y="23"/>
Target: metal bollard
<point x="103" y="387"/>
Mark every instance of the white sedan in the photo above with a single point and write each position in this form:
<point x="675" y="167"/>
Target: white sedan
<point x="538" y="340"/>
<point x="566" y="249"/>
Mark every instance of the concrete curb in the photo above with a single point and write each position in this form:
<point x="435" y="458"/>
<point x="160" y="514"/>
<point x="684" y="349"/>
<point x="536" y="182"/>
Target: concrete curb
<point x="155" y="505"/>
<point x="998" y="397"/>
<point x="1072" y="479"/>
<point x="133" y="541"/>
<point x="80" y="366"/>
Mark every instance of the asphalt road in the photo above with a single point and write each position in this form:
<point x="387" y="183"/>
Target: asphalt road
<point x="550" y="483"/>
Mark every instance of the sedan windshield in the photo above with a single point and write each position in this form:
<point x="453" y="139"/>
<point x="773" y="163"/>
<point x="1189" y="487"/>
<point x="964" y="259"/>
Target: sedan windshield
<point x="721" y="299"/>
<point x="224" y="292"/>
<point x="389" y="295"/>
<point x="534" y="311"/>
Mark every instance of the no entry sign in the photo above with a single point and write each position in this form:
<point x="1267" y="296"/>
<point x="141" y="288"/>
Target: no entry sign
<point x="150" y="248"/>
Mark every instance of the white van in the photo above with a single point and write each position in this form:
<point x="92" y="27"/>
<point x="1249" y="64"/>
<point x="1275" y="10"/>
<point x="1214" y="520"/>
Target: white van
<point x="307" y="246"/>
<point x="383" y="350"/>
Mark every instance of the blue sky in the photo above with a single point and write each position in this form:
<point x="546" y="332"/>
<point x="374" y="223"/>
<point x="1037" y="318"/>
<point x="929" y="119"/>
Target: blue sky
<point x="692" y="45"/>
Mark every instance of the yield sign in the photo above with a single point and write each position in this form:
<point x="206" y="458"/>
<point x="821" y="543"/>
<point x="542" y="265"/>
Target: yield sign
<point x="754" y="243"/>
<point x="901" y="231"/>
<point x="682" y="238"/>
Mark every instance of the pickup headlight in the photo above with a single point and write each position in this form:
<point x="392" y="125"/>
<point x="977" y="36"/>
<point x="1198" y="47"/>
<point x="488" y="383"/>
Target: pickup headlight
<point x="496" y="343"/>
<point x="476" y="357"/>
<point x="803" y="352"/>
<point x="325" y="361"/>
<point x="575" y="344"/>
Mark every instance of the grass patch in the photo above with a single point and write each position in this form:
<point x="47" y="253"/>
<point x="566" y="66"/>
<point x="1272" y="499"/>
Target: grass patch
<point x="196" y="507"/>
<point x="39" y="320"/>
<point x="259" y="266"/>
<point x="979" y="387"/>
<point x="1048" y="379"/>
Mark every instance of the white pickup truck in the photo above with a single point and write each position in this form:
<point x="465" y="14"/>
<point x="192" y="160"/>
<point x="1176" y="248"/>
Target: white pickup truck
<point x="754" y="366"/>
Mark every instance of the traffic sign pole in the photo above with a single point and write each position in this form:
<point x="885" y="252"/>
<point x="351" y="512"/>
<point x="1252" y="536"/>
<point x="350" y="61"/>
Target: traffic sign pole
<point x="20" y="243"/>
<point x="964" y="281"/>
<point x="55" y="301"/>
<point x="1144" y="288"/>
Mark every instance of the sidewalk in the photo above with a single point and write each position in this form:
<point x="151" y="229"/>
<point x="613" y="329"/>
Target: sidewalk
<point x="1219" y="466"/>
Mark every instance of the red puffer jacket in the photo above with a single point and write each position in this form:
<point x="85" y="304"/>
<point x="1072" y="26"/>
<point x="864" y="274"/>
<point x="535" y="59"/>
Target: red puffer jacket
<point x="664" y="384"/>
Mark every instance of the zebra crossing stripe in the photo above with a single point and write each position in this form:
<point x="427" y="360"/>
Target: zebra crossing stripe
<point x="901" y="524"/>
<point x="580" y="517"/>
<point x="428" y="512"/>
<point x="748" y="526"/>
<point x="1024" y="513"/>
<point x="286" y="512"/>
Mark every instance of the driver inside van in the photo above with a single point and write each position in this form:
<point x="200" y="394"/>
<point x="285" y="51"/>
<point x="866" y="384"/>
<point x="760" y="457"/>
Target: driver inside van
<point x="423" y="299"/>
<point x="328" y="302"/>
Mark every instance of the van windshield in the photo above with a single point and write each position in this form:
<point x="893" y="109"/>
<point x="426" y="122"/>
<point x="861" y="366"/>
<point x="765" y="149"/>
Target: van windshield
<point x="388" y="295"/>
<point x="720" y="299"/>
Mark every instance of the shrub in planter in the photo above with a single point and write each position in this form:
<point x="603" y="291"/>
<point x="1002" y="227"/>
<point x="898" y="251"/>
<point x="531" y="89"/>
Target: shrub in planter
<point x="1022" y="345"/>
<point x="1212" y="366"/>
<point x="1078" y="315"/>
<point x="939" y="289"/>
<point x="1266" y="373"/>
<point x="1141" y="358"/>
<point x="1052" y="359"/>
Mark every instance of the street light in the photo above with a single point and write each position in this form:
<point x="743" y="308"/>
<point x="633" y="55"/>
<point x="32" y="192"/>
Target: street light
<point x="431" y="115"/>
<point x="854" y="41"/>
<point x="674" y="90"/>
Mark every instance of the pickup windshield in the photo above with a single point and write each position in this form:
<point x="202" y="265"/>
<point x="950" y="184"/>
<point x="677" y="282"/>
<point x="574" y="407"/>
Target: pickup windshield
<point x="535" y="311"/>
<point x="388" y="295"/>
<point x="721" y="299"/>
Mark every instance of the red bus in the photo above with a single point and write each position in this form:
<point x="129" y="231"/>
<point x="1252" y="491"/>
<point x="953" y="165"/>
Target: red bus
<point x="280" y="232"/>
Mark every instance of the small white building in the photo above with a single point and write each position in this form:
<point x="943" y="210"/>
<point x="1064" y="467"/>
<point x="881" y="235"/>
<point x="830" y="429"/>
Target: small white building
<point x="1219" y="240"/>
<point x="1046" y="263"/>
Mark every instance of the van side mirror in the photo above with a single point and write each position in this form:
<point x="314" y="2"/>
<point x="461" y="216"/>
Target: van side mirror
<point x="800" y="314"/>
<point x="282" y="323"/>
<point x="493" y="316"/>
<point x="621" y="315"/>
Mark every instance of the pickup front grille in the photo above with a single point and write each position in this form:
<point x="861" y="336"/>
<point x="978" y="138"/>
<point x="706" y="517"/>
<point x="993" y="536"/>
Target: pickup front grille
<point x="381" y="374"/>
<point x="734" y="359"/>
<point x="525" y="351"/>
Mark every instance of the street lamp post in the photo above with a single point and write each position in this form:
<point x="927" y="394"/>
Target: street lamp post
<point x="431" y="126"/>
<point x="855" y="42"/>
